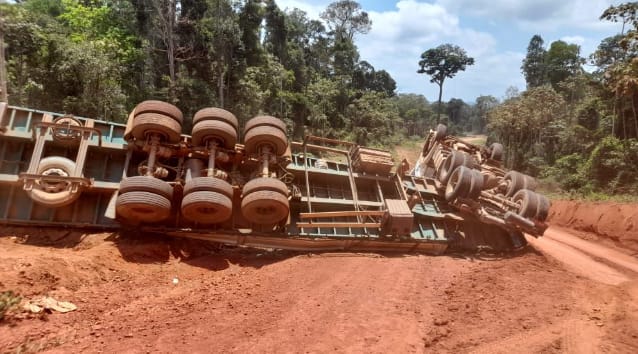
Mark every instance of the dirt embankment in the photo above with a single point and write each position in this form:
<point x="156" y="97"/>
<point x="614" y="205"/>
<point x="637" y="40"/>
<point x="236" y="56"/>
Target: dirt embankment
<point x="610" y="222"/>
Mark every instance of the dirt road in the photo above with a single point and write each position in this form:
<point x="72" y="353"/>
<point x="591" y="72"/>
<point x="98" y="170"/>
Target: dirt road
<point x="141" y="295"/>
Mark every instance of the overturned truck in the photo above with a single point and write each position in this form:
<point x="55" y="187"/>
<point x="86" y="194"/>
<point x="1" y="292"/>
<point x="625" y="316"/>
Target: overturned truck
<point x="317" y="194"/>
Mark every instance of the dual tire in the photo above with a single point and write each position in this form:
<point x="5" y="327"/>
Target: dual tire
<point x="531" y="205"/>
<point x="464" y="182"/>
<point x="264" y="131"/>
<point x="265" y="201"/>
<point x="215" y="124"/>
<point x="157" y="117"/>
<point x="207" y="200"/>
<point x="144" y="199"/>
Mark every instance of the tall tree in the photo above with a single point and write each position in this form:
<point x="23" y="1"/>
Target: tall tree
<point x="345" y="19"/>
<point x="534" y="63"/>
<point x="563" y="60"/>
<point x="250" y="18"/>
<point x="443" y="62"/>
<point x="483" y="105"/>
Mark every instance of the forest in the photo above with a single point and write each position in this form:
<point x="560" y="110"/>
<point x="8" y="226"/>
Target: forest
<point x="574" y="129"/>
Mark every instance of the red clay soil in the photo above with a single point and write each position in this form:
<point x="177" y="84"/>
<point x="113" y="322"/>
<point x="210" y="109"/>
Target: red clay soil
<point x="617" y="222"/>
<point x="243" y="300"/>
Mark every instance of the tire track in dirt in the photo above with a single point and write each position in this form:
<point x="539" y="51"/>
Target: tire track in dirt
<point x="605" y="253"/>
<point x="577" y="261"/>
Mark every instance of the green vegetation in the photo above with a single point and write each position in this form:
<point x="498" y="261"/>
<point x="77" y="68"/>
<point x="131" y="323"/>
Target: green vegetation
<point x="98" y="58"/>
<point x="576" y="130"/>
<point x="7" y="300"/>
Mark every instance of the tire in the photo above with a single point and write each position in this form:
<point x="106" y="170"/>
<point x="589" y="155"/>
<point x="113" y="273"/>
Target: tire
<point x="214" y="113"/>
<point x="528" y="203"/>
<point x="262" y="135"/>
<point x="516" y="182"/>
<point x="56" y="194"/>
<point x="265" y="121"/>
<point x="477" y="185"/>
<point x="159" y="107"/>
<point x="454" y="160"/>
<point x="206" y="207"/>
<point x="459" y="184"/>
<point x="496" y="152"/>
<point x="543" y="208"/>
<point x="441" y="132"/>
<point x="143" y="207"/>
<point x="208" y="184"/>
<point x="145" y="123"/>
<point x="146" y="184"/>
<point x="265" y="184"/>
<point x="214" y="129"/>
<point x="530" y="183"/>
<point x="265" y="207"/>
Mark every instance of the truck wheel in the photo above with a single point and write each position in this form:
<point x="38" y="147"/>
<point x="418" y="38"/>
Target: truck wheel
<point x="265" y="121"/>
<point x="214" y="113"/>
<point x="266" y="135"/>
<point x="159" y="107"/>
<point x="144" y="207"/>
<point x="208" y="184"/>
<point x="452" y="161"/>
<point x="146" y="184"/>
<point x="146" y="123"/>
<point x="496" y="152"/>
<point x="206" y="207"/>
<point x="459" y="183"/>
<point x="543" y="207"/>
<point x="477" y="185"/>
<point x="515" y="182"/>
<point x="527" y="203"/>
<point x="214" y="129"/>
<point x="441" y="132"/>
<point x="265" y="207"/>
<point x="54" y="194"/>
<point x="265" y="184"/>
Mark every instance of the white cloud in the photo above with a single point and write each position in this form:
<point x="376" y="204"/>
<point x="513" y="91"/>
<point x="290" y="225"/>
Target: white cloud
<point x="312" y="8"/>
<point x="574" y="39"/>
<point x="398" y="37"/>
<point x="538" y="14"/>
<point x="494" y="32"/>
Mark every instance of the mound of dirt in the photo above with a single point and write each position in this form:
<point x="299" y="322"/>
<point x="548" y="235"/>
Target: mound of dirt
<point x="617" y="222"/>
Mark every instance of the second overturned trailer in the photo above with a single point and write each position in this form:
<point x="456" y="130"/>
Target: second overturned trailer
<point x="265" y="192"/>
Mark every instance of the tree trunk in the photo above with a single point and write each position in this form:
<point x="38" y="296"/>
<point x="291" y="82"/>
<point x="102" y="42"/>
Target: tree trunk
<point x="633" y="108"/>
<point x="171" y="50"/>
<point x="3" y="69"/>
<point x="220" y="85"/>
<point x="438" y="113"/>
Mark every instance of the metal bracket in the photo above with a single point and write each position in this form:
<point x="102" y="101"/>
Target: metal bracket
<point x="76" y="182"/>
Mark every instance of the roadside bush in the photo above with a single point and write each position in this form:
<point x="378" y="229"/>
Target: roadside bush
<point x="7" y="300"/>
<point x="568" y="171"/>
<point x="613" y="164"/>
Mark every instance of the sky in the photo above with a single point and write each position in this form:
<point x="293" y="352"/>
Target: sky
<point x="495" y="33"/>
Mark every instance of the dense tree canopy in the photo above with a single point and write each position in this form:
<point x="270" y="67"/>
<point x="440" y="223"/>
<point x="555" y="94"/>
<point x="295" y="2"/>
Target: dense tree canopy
<point x="99" y="58"/>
